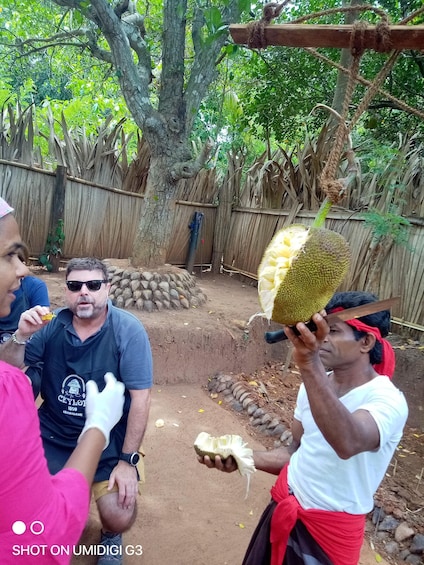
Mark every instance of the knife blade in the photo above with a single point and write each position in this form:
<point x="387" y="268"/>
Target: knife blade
<point x="343" y="315"/>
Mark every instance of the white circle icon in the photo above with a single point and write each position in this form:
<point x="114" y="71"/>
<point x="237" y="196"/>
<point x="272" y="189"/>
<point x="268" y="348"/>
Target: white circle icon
<point x="36" y="527"/>
<point x="18" y="527"/>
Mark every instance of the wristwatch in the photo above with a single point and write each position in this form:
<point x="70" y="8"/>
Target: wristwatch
<point x="18" y="341"/>
<point x="131" y="458"/>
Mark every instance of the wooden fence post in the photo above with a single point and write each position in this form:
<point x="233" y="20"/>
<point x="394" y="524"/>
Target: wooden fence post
<point x="58" y="205"/>
<point x="223" y="217"/>
<point x="57" y="213"/>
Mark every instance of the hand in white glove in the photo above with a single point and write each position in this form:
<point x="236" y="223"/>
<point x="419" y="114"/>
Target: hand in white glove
<point x="103" y="410"/>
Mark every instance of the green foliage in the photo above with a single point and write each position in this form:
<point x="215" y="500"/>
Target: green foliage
<point x="261" y="99"/>
<point x="84" y="113"/>
<point x="376" y="157"/>
<point x="401" y="8"/>
<point x="49" y="69"/>
<point x="6" y="96"/>
<point x="279" y="86"/>
<point x="48" y="72"/>
<point x="53" y="249"/>
<point x="387" y="225"/>
<point x="390" y="171"/>
<point x="285" y="86"/>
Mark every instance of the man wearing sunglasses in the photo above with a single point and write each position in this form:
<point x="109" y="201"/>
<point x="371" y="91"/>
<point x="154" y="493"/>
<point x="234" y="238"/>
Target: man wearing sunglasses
<point x="86" y="339"/>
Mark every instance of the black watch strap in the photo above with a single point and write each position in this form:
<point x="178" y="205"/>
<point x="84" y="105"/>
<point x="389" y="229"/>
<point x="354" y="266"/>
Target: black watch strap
<point x="131" y="458"/>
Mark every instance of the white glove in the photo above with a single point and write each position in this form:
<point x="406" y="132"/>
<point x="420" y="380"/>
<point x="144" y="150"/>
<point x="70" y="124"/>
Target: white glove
<point x="103" y="410"/>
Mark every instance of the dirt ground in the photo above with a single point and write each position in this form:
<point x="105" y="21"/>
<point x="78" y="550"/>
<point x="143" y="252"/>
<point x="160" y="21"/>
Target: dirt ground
<point x="191" y="515"/>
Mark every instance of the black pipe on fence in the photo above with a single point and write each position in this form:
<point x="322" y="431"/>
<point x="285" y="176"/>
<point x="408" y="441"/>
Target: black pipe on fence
<point x="195" y="228"/>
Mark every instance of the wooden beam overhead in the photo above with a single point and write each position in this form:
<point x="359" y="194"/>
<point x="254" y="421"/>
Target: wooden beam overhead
<point x="301" y="35"/>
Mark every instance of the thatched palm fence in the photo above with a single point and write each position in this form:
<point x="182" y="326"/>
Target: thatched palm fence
<point x="102" y="221"/>
<point x="98" y="220"/>
<point x="102" y="195"/>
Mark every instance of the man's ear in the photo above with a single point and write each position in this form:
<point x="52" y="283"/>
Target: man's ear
<point x="368" y="342"/>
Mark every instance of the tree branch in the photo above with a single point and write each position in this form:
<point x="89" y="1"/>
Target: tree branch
<point x="134" y="79"/>
<point x="387" y="104"/>
<point x="75" y="4"/>
<point x="132" y="25"/>
<point x="171" y="102"/>
<point x="95" y="50"/>
<point x="204" y="70"/>
<point x="121" y="8"/>
<point x="28" y="47"/>
<point x="198" y="22"/>
<point x="188" y="169"/>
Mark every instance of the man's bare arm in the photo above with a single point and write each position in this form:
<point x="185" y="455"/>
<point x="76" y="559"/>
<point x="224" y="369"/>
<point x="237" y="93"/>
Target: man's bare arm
<point x="137" y="419"/>
<point x="271" y="461"/>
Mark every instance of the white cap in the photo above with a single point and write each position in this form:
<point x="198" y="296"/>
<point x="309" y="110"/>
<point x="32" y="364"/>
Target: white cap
<point x="4" y="208"/>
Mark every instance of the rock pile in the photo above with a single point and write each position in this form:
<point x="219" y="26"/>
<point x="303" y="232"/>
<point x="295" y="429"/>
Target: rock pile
<point x="242" y="398"/>
<point x="165" y="288"/>
<point x="398" y="538"/>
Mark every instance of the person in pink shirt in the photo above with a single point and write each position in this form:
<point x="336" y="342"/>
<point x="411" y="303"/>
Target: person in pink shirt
<point x="42" y="516"/>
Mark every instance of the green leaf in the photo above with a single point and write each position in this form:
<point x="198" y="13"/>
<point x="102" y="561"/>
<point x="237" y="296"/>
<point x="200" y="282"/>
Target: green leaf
<point x="213" y="19"/>
<point x="244" y="5"/>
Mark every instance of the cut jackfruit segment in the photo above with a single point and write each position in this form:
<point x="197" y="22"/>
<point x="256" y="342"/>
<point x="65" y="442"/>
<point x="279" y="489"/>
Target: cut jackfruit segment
<point x="48" y="316"/>
<point x="224" y="446"/>
<point x="300" y="271"/>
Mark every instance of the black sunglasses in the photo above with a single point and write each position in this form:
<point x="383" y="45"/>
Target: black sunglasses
<point x="76" y="286"/>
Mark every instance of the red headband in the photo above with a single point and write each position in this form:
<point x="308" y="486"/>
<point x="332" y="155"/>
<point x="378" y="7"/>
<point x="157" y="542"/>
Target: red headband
<point x="387" y="365"/>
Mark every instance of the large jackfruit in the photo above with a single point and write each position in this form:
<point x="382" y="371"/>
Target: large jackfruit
<point x="300" y="271"/>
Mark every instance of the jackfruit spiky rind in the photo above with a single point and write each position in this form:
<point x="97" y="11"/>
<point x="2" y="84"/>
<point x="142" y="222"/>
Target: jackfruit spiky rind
<point x="313" y="277"/>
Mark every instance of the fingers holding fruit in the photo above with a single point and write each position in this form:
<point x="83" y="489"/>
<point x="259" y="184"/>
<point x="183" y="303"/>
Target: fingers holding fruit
<point x="227" y="465"/>
<point x="33" y="320"/>
<point x="48" y="317"/>
<point x="37" y="315"/>
<point x="225" y="453"/>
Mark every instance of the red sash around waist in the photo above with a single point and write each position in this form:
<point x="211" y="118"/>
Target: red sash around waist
<point x="339" y="534"/>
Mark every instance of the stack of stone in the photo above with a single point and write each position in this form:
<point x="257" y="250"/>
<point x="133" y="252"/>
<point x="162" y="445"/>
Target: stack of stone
<point x="242" y="398"/>
<point x="165" y="288"/>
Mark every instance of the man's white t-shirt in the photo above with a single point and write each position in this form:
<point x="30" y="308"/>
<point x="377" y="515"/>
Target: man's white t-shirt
<point x="320" y="479"/>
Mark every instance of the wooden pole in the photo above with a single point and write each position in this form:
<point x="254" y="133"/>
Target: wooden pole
<point x="223" y="217"/>
<point x="58" y="205"/>
<point x="57" y="211"/>
<point x="303" y="35"/>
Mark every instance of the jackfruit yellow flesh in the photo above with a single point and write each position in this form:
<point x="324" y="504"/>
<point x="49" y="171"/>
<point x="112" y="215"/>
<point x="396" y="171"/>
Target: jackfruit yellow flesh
<point x="276" y="262"/>
<point x="300" y="271"/>
<point x="48" y="316"/>
<point x="224" y="446"/>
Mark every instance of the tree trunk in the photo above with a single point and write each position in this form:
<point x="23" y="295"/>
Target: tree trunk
<point x="378" y="255"/>
<point x="186" y="76"/>
<point x="55" y="263"/>
<point x="157" y="218"/>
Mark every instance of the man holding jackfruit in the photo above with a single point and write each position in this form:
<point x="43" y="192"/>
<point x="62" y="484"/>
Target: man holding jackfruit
<point x="346" y="426"/>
